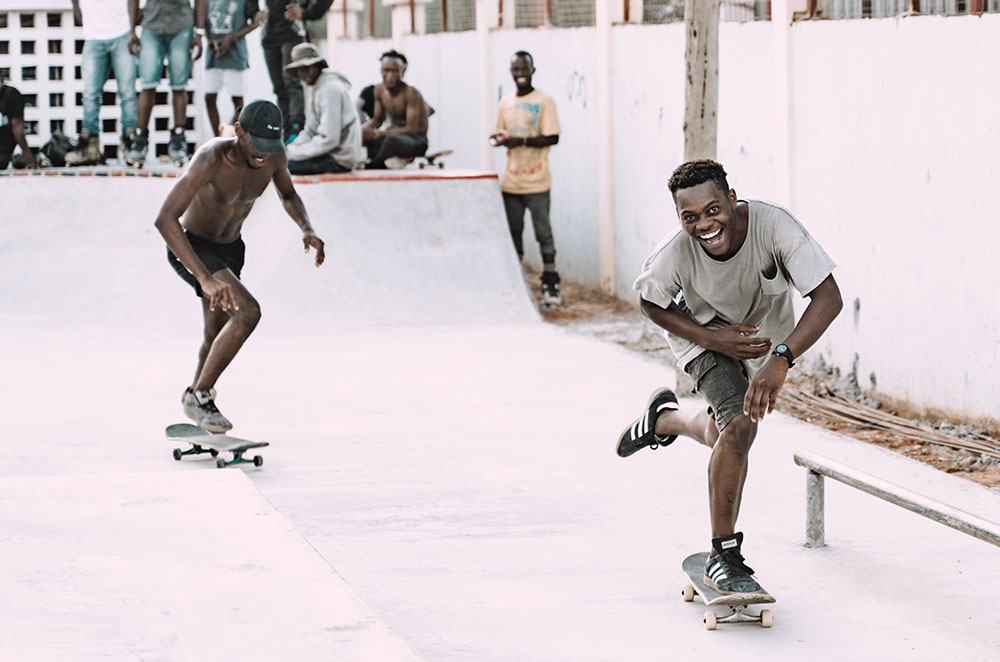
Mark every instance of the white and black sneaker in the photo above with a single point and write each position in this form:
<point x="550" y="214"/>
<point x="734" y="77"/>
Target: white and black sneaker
<point x="641" y="432"/>
<point x="550" y="289"/>
<point x="726" y="571"/>
<point x="200" y="407"/>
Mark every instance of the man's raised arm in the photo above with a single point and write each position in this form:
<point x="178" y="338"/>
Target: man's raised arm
<point x="296" y="209"/>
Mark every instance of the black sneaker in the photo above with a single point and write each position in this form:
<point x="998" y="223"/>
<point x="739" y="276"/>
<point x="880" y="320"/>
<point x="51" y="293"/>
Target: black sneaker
<point x="550" y="289"/>
<point x="136" y="154"/>
<point x="200" y="408"/>
<point x="726" y="572"/>
<point x="640" y="433"/>
<point x="177" y="148"/>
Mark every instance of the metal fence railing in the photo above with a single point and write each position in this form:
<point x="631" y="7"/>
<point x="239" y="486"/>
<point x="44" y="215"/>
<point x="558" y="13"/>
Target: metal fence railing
<point x="458" y="15"/>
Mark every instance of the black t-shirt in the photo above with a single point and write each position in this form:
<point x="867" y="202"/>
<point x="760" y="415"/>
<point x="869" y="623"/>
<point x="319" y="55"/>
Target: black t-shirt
<point x="11" y="107"/>
<point x="277" y="30"/>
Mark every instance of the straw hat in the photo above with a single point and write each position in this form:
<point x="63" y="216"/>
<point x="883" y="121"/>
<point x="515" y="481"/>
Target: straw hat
<point x="304" y="55"/>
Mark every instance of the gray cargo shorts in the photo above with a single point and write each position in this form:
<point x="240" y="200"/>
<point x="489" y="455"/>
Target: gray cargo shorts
<point x="723" y="382"/>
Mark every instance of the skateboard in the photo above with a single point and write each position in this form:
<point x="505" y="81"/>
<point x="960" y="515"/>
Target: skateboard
<point x="203" y="441"/>
<point x="430" y="160"/>
<point x="735" y="604"/>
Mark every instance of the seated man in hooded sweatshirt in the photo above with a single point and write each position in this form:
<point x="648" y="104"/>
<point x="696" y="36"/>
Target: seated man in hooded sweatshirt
<point x="330" y="141"/>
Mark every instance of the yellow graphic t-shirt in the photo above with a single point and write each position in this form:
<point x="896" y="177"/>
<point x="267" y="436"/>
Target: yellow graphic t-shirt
<point x="529" y="116"/>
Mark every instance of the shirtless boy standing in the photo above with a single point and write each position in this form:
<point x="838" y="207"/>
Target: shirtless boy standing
<point x="722" y="290"/>
<point x="406" y="136"/>
<point x="215" y="195"/>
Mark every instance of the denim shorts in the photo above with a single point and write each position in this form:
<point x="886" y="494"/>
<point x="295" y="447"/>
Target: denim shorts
<point x="175" y="48"/>
<point x="723" y="382"/>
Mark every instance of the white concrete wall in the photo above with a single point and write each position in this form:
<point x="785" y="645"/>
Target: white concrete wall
<point x="893" y="154"/>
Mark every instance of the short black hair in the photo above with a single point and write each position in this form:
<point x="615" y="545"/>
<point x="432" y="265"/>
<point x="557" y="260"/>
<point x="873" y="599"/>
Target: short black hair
<point x="393" y="53"/>
<point x="526" y="55"/>
<point x="698" y="172"/>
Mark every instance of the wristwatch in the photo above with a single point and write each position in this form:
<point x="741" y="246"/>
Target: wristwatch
<point x="783" y="351"/>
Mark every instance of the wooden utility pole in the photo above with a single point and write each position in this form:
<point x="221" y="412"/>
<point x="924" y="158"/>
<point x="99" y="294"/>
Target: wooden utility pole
<point x="701" y="79"/>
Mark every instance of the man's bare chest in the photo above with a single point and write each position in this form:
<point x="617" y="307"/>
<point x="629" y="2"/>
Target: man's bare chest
<point x="237" y="188"/>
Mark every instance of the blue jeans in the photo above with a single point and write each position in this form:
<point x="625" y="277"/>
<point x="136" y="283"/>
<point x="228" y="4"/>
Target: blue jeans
<point x="100" y="55"/>
<point x="176" y="48"/>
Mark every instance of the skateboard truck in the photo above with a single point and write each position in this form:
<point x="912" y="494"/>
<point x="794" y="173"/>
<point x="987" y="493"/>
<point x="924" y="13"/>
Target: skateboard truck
<point x="203" y="441"/>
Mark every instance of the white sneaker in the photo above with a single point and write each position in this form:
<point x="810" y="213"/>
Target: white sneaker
<point x="550" y="290"/>
<point x="200" y="407"/>
<point x="396" y="162"/>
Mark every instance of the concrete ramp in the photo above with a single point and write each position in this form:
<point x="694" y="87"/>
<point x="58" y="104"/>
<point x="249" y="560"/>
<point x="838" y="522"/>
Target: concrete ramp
<point x="171" y="566"/>
<point x="403" y="248"/>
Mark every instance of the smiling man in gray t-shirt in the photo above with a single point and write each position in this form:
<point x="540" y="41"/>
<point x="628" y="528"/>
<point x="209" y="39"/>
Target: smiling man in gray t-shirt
<point x="721" y="289"/>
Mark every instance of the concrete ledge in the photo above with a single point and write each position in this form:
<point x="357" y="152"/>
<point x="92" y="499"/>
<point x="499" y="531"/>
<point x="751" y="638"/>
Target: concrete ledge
<point x="169" y="171"/>
<point x="190" y="565"/>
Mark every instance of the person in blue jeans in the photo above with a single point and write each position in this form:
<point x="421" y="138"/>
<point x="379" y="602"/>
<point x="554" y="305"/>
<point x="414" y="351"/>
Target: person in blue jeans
<point x="171" y="30"/>
<point x="106" y="29"/>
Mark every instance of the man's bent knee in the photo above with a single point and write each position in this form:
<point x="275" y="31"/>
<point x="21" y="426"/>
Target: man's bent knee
<point x="248" y="314"/>
<point x="739" y="434"/>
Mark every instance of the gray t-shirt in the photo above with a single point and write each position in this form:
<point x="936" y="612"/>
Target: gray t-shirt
<point x="167" y="16"/>
<point x="751" y="287"/>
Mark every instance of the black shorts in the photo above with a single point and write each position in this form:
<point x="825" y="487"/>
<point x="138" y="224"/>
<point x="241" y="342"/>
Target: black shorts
<point x="215" y="257"/>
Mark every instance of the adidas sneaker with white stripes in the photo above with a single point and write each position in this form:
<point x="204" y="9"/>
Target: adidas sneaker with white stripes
<point x="726" y="571"/>
<point x="640" y="433"/>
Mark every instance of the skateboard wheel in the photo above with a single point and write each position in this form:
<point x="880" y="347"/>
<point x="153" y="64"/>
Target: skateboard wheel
<point x="710" y="620"/>
<point x="422" y="165"/>
<point x="221" y="463"/>
<point x="257" y="460"/>
<point x="688" y="593"/>
<point x="214" y="452"/>
<point x="177" y="454"/>
<point x="766" y="618"/>
<point x="441" y="165"/>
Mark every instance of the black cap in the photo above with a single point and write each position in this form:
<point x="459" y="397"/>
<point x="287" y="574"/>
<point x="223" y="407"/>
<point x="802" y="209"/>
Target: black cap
<point x="262" y="120"/>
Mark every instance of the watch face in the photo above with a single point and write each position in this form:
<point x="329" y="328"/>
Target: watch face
<point x="781" y="348"/>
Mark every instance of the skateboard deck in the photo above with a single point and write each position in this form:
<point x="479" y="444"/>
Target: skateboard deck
<point x="735" y="604"/>
<point x="203" y="441"/>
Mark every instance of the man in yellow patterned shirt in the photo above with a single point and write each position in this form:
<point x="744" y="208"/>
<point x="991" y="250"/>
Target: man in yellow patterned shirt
<point x="527" y="125"/>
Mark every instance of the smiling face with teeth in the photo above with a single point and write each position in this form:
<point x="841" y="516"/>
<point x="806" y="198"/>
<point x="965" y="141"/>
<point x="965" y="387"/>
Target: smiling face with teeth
<point x="522" y="69"/>
<point x="713" y="218"/>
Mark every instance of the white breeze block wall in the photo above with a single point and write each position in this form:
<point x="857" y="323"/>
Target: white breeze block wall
<point x="57" y="105"/>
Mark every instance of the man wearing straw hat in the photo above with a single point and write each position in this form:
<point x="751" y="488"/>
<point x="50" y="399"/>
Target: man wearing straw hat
<point x="330" y="140"/>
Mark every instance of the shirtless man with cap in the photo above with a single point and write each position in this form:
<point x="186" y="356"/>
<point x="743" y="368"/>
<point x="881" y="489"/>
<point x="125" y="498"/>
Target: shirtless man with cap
<point x="215" y="195"/>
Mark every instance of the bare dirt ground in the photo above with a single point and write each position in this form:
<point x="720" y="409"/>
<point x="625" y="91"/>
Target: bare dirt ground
<point x="814" y="393"/>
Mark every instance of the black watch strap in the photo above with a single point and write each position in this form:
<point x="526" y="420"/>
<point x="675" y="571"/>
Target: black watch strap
<point x="783" y="351"/>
